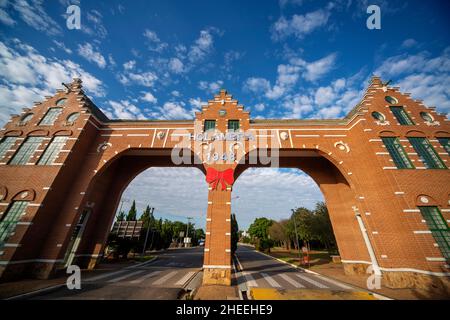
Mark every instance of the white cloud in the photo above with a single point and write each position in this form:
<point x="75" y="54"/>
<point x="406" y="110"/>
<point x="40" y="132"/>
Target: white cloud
<point x="176" y="66"/>
<point x="299" y="25"/>
<point x="146" y="79"/>
<point x="149" y="97"/>
<point x="158" y="187"/>
<point x="62" y="46"/>
<point x="28" y="76"/>
<point x="123" y="109"/>
<point x="130" y="65"/>
<point x="88" y="52"/>
<point x="324" y="95"/>
<point x="173" y="110"/>
<point x="260" y="107"/>
<point x="202" y="46"/>
<point x="154" y="43"/>
<point x="33" y="14"/>
<point x="409" y="43"/>
<point x="5" y="18"/>
<point x="197" y="103"/>
<point x="257" y="85"/>
<point x="211" y="87"/>
<point x="316" y="69"/>
<point x="272" y="193"/>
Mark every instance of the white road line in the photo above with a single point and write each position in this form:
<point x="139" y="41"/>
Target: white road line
<point x="336" y="283"/>
<point x="165" y="278"/>
<point x="139" y="280"/>
<point x="107" y="275"/>
<point x="183" y="280"/>
<point x="313" y="282"/>
<point x="126" y="276"/>
<point x="250" y="281"/>
<point x="291" y="281"/>
<point x="270" y="280"/>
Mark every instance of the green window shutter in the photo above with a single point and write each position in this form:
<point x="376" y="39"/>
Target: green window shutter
<point x="50" y="117"/>
<point x="426" y="153"/>
<point x="438" y="227"/>
<point x="233" y="125"/>
<point x="397" y="153"/>
<point x="26" y="150"/>
<point x="402" y="116"/>
<point x="52" y="151"/>
<point x="6" y="144"/>
<point x="210" y="125"/>
<point x="445" y="143"/>
<point x="10" y="219"/>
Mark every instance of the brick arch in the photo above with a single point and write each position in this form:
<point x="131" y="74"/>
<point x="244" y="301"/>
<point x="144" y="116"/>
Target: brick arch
<point x="441" y="134"/>
<point x="63" y="133"/>
<point x="415" y="133"/>
<point x="426" y="200"/>
<point x="339" y="192"/>
<point x="388" y="133"/>
<point x="38" y="132"/>
<point x="3" y="192"/>
<point x="24" y="195"/>
<point x="105" y="190"/>
<point x="14" y="133"/>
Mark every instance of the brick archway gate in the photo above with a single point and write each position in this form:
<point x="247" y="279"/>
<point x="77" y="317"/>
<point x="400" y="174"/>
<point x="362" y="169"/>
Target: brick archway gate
<point x="64" y="156"/>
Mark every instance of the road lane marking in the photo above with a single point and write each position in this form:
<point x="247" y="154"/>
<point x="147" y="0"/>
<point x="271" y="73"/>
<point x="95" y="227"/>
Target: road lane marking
<point x="165" y="278"/>
<point x="183" y="280"/>
<point x="139" y="280"/>
<point x="270" y="280"/>
<point x="336" y="283"/>
<point x="311" y="281"/>
<point x="291" y="281"/>
<point x="250" y="281"/>
<point x="126" y="276"/>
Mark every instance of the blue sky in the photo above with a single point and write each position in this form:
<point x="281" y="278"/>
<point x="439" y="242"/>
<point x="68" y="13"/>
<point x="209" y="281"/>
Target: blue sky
<point x="281" y="59"/>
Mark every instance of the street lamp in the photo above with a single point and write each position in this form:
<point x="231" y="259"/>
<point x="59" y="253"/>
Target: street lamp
<point x="146" y="235"/>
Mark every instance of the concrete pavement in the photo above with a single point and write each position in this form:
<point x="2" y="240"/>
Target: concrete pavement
<point x="264" y="277"/>
<point x="163" y="278"/>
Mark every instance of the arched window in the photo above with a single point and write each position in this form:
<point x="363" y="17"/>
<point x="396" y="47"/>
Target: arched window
<point x="391" y="100"/>
<point x="61" y="102"/>
<point x="50" y="117"/>
<point x="10" y="219"/>
<point x="25" y="119"/>
<point x="427" y="117"/>
<point x="379" y="116"/>
<point x="72" y="118"/>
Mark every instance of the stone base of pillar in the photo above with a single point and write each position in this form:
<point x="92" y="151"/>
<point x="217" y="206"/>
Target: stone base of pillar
<point x="416" y="280"/>
<point x="355" y="268"/>
<point x="219" y="276"/>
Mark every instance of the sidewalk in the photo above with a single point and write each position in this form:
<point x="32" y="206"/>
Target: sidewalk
<point x="15" y="288"/>
<point x="336" y="271"/>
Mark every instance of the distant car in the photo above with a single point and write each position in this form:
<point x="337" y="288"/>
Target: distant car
<point x="201" y="243"/>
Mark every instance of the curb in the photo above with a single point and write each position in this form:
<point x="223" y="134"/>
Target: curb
<point x="34" y="293"/>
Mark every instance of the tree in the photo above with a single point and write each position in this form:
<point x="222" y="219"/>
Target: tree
<point x="147" y="218"/>
<point x="259" y="231"/>
<point x="234" y="233"/>
<point x="131" y="216"/>
<point x="121" y="216"/>
<point x="278" y="233"/>
<point x="322" y="228"/>
<point x="300" y="224"/>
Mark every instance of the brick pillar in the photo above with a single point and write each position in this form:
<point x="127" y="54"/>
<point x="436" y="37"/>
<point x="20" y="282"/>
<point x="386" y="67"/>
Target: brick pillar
<point x="217" y="257"/>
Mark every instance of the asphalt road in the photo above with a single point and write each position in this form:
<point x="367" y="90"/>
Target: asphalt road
<point x="262" y="271"/>
<point x="159" y="279"/>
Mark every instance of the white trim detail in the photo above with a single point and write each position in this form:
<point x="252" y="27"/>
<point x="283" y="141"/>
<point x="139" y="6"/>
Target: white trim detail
<point x="436" y="259"/>
<point x="411" y="210"/>
<point x="422" y="231"/>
